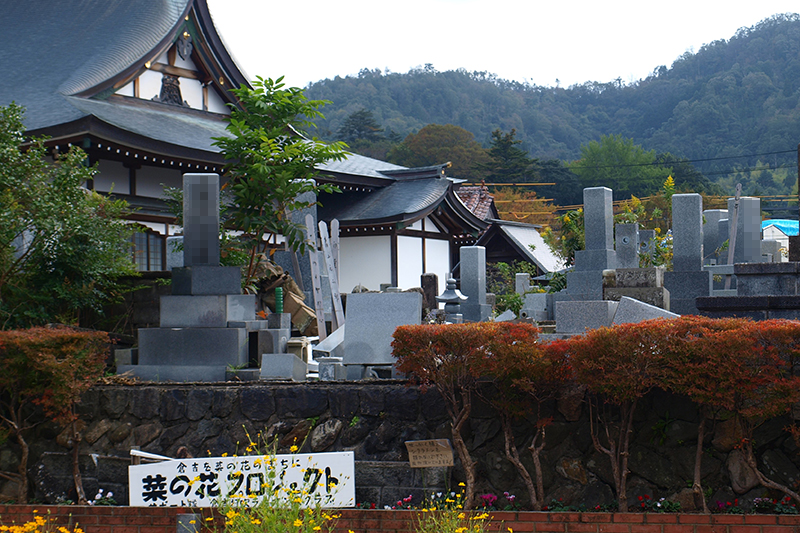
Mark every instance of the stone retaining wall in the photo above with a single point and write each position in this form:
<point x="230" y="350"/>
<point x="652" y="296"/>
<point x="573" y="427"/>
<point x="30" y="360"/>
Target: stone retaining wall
<point x="374" y="419"/>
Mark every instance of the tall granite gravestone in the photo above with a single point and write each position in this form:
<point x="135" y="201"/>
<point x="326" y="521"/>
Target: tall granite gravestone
<point x="748" y="232"/>
<point x="711" y="236"/>
<point x="627" y="240"/>
<point x="647" y="242"/>
<point x="194" y="341"/>
<point x="583" y="306"/>
<point x="688" y="280"/>
<point x="473" y="284"/>
<point x="585" y="282"/>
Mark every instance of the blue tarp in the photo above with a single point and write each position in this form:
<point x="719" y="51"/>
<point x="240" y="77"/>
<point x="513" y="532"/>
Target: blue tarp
<point x="789" y="227"/>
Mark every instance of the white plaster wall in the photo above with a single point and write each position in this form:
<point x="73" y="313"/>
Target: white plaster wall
<point x="437" y="260"/>
<point x="430" y="226"/>
<point x="416" y="225"/>
<point x="216" y="104"/>
<point x="149" y="180"/>
<point x="149" y="84"/>
<point x="112" y="175"/>
<point x="192" y="92"/>
<point x="127" y="90"/>
<point x="409" y="261"/>
<point x="365" y="261"/>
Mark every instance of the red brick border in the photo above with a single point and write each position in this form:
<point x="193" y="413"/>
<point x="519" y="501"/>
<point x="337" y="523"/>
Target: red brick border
<point x="164" y="520"/>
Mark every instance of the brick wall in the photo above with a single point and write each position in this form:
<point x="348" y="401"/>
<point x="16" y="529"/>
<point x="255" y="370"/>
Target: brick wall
<point x="164" y="520"/>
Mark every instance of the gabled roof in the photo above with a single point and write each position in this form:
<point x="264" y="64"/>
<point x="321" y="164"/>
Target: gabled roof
<point x="788" y="227"/>
<point x="521" y="237"/>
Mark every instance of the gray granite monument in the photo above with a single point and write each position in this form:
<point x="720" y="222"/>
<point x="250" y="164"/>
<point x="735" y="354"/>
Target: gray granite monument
<point x="688" y="280"/>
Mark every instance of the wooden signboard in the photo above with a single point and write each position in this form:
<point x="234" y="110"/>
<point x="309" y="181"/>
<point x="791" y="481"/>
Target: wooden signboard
<point x="428" y="453"/>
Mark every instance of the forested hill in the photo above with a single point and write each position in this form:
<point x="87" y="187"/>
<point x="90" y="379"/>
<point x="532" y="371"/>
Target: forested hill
<point x="736" y="97"/>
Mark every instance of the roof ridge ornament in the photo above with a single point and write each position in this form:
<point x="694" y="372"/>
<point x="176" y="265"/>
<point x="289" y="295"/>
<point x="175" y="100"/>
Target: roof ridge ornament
<point x="184" y="45"/>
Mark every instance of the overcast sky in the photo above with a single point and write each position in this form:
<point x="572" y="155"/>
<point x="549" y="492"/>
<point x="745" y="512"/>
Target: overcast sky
<point x="528" y="41"/>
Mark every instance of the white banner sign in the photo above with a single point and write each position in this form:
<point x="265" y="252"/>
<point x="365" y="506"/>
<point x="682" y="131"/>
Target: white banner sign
<point x="328" y="478"/>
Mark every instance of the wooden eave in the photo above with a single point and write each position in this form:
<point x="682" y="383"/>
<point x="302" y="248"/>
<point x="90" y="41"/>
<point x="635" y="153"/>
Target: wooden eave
<point x="97" y="130"/>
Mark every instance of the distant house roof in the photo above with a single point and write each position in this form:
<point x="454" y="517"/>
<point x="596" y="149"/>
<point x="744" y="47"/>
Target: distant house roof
<point x="478" y="200"/>
<point x="509" y="241"/>
<point x="788" y="227"/>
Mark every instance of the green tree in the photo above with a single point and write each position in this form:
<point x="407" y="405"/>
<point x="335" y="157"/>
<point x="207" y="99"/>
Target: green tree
<point x="360" y="125"/>
<point x="619" y="164"/>
<point x="435" y="144"/>
<point x="508" y="162"/>
<point x="271" y="164"/>
<point x="63" y="248"/>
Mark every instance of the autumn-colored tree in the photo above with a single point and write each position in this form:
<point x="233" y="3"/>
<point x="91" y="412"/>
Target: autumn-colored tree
<point x="50" y="368"/>
<point x="444" y="357"/>
<point x="518" y="205"/>
<point x="522" y="375"/>
<point x="698" y="363"/>
<point x="436" y="144"/>
<point x="618" y="366"/>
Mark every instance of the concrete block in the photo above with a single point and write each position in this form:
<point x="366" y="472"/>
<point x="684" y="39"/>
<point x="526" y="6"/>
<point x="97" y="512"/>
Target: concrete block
<point x="586" y="285"/>
<point x="177" y="373"/>
<point x="588" y="260"/>
<point x="639" y="277"/>
<point x="331" y="369"/>
<point x="655" y="296"/>
<point x="206" y="311"/>
<point x="282" y="366"/>
<point x="272" y="340"/>
<point x="279" y="321"/>
<point x="577" y="317"/>
<point x="193" y="346"/>
<point x="632" y="311"/>
<point x="203" y="279"/>
<point x="687" y="285"/>
<point x="371" y="320"/>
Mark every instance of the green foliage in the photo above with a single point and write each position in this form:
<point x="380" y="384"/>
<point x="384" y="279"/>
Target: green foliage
<point x="360" y="125"/>
<point x="733" y="97"/>
<point x="566" y="236"/>
<point x="436" y="144"/>
<point x="270" y="164"/>
<point x="617" y="163"/>
<point x="62" y="248"/>
<point x="508" y="163"/>
<point x="502" y="282"/>
<point x="446" y="515"/>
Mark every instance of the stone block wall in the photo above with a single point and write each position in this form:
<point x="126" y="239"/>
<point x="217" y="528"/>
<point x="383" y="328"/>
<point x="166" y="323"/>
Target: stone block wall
<point x="375" y="419"/>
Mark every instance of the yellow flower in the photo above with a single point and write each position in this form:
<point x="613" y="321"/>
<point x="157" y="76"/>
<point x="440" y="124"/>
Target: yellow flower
<point x="461" y="484"/>
<point x="293" y="448"/>
<point x="225" y="454"/>
<point x="255" y="521"/>
<point x="510" y="530"/>
<point x="298" y="523"/>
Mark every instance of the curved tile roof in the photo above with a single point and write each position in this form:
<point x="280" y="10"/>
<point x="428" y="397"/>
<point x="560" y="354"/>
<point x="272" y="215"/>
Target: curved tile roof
<point x="170" y="124"/>
<point x="359" y="165"/>
<point x="398" y="201"/>
<point x="49" y="49"/>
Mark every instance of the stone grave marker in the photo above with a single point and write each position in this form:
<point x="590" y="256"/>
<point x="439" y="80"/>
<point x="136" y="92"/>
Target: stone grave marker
<point x="473" y="284"/>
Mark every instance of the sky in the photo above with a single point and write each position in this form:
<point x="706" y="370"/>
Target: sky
<point x="543" y="43"/>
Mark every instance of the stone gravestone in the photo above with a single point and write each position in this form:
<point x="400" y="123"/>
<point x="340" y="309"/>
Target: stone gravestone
<point x="195" y="341"/>
<point x="711" y="235"/>
<point x="748" y="232"/>
<point x="371" y="319"/>
<point x="647" y="244"/>
<point x="627" y="239"/>
<point x="585" y="282"/>
<point x="688" y="280"/>
<point x="473" y="284"/>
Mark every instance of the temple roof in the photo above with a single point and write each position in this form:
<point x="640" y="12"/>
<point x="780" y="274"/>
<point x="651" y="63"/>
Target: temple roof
<point x="50" y="50"/>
